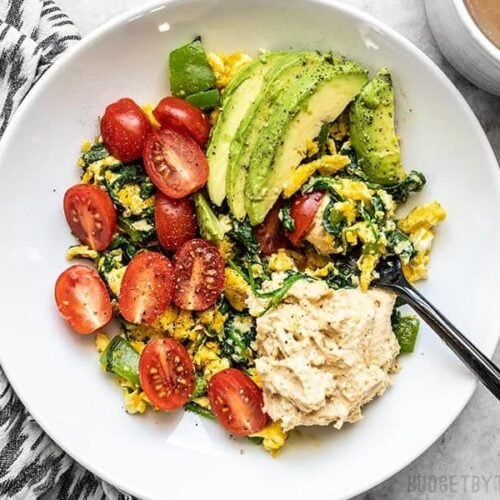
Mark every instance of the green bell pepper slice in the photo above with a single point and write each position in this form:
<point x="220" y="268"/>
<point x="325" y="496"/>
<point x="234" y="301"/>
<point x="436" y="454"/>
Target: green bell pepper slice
<point x="122" y="359"/>
<point x="189" y="70"/>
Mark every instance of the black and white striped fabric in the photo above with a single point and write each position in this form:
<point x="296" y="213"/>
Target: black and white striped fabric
<point x="32" y="34"/>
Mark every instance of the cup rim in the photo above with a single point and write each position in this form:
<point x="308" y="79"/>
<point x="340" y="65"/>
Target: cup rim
<point x="476" y="32"/>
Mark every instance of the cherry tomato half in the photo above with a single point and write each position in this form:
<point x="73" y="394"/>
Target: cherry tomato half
<point x="124" y="127"/>
<point x="91" y="215"/>
<point x="270" y="234"/>
<point x="180" y="115"/>
<point x="302" y="210"/>
<point x="146" y="288"/>
<point x="237" y="402"/>
<point x="199" y="275"/>
<point x="175" y="163"/>
<point x="82" y="299"/>
<point x="175" y="221"/>
<point x="166" y="373"/>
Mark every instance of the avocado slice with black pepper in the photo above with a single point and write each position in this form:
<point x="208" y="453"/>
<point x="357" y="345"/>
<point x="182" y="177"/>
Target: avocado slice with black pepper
<point x="282" y="76"/>
<point x="373" y="133"/>
<point x="238" y="97"/>
<point x="292" y="117"/>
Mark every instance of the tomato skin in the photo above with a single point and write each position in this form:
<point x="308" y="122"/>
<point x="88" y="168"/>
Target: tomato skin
<point x="166" y="373"/>
<point x="91" y="215"/>
<point x="180" y="115"/>
<point x="146" y="288"/>
<point x="124" y="127"/>
<point x="237" y="402"/>
<point x="82" y="299"/>
<point x="199" y="275"/>
<point x="270" y="234"/>
<point x="175" y="163"/>
<point x="302" y="210"/>
<point x="175" y="221"/>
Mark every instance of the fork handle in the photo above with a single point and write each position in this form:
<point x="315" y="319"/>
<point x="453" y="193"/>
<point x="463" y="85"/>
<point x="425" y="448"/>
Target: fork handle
<point x="487" y="372"/>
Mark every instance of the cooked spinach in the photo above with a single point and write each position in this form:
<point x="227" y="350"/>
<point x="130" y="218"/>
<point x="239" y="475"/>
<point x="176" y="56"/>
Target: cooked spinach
<point x="236" y="339"/>
<point x="286" y="218"/>
<point x="242" y="234"/>
<point x="341" y="276"/>
<point x="128" y="249"/>
<point x="400" y="244"/>
<point x="97" y="152"/>
<point x="413" y="183"/>
<point x="334" y="221"/>
<point x="139" y="230"/>
<point x="199" y="410"/>
<point x="129" y="175"/>
<point x="322" y="183"/>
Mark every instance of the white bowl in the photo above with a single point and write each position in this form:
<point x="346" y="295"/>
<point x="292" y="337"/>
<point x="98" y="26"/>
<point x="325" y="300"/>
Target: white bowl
<point x="55" y="372"/>
<point x="464" y="45"/>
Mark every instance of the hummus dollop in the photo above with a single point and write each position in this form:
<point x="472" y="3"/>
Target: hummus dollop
<point x="322" y="354"/>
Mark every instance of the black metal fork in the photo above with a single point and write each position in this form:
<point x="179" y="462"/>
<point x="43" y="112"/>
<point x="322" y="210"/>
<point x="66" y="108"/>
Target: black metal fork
<point x="391" y="277"/>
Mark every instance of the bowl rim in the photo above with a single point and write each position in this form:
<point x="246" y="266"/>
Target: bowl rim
<point x="157" y="5"/>
<point x="475" y="31"/>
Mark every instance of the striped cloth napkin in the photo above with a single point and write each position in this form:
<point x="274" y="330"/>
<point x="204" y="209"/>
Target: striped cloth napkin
<point x="32" y="34"/>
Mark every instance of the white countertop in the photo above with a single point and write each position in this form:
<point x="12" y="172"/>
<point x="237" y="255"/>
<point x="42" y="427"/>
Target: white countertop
<point x="465" y="462"/>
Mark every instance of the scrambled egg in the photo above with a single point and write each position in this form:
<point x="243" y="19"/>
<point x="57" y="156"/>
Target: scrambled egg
<point x="148" y="111"/>
<point x="81" y="252"/>
<point x="131" y="200"/>
<point x="225" y="66"/>
<point x="236" y="289"/>
<point x="326" y="165"/>
<point x="136" y="400"/>
<point x="208" y="359"/>
<point x="281" y="261"/>
<point x="273" y="438"/>
<point x="95" y="173"/>
<point x="419" y="225"/>
<point x="101" y="341"/>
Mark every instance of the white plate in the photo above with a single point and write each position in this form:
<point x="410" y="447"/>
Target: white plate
<point x="56" y="372"/>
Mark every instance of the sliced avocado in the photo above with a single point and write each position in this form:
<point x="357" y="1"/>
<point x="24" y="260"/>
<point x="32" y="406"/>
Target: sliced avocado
<point x="208" y="223"/>
<point x="316" y="96"/>
<point x="373" y="135"/>
<point x="237" y="99"/>
<point x="286" y="71"/>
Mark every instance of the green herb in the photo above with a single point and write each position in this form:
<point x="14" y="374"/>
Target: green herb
<point x="278" y="295"/>
<point x="286" y="218"/>
<point x="122" y="359"/>
<point x="199" y="410"/>
<point x="406" y="330"/>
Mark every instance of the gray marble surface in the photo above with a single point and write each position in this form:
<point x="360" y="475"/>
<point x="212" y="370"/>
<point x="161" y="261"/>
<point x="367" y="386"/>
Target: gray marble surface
<point x="465" y="462"/>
